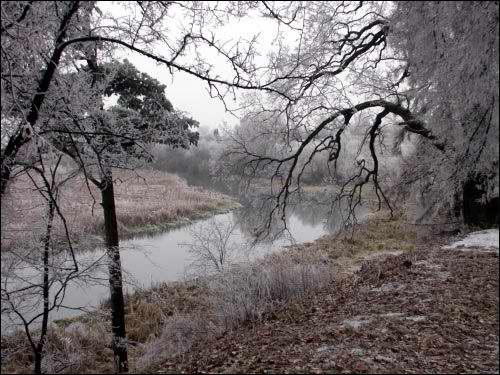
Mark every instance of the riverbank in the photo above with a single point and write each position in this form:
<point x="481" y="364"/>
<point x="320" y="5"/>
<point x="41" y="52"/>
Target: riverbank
<point x="426" y="311"/>
<point x="357" y="302"/>
<point x="399" y="303"/>
<point x="147" y="202"/>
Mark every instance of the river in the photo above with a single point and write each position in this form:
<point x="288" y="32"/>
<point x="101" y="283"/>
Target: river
<point x="167" y="256"/>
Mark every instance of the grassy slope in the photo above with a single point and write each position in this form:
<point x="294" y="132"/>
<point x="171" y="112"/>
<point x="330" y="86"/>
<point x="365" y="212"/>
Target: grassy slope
<point x="146" y="201"/>
<point x="434" y="323"/>
<point x="423" y="310"/>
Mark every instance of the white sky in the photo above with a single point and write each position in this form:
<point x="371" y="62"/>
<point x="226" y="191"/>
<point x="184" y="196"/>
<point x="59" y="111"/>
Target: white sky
<point x="188" y="93"/>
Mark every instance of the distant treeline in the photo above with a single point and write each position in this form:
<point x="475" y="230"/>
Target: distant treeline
<point x="199" y="165"/>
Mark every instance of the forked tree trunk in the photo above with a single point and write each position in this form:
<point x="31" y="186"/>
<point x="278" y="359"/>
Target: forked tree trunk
<point x="115" y="274"/>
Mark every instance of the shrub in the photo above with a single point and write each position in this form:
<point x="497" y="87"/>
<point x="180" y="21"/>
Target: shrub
<point x="241" y="293"/>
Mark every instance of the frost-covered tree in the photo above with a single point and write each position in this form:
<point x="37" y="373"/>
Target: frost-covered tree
<point x="39" y="263"/>
<point x="213" y="248"/>
<point x="452" y="66"/>
<point x="43" y="40"/>
<point x="119" y="137"/>
<point x="336" y="61"/>
<point x="371" y="70"/>
<point x="42" y="45"/>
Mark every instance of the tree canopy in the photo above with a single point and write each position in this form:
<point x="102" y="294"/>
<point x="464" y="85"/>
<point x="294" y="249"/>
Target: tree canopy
<point x="392" y="97"/>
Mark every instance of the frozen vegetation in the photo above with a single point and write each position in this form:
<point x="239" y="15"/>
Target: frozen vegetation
<point x="345" y="105"/>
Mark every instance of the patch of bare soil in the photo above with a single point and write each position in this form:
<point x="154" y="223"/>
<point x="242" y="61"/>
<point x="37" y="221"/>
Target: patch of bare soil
<point x="430" y="310"/>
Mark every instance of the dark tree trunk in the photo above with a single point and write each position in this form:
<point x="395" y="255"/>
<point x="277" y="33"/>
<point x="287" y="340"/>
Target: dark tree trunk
<point x="23" y="135"/>
<point x="478" y="209"/>
<point x="115" y="275"/>
<point x="38" y="362"/>
<point x="38" y="350"/>
<point x="4" y="177"/>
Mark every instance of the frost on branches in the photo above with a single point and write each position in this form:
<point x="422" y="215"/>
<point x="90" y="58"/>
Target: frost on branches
<point x="365" y="90"/>
<point x="453" y="81"/>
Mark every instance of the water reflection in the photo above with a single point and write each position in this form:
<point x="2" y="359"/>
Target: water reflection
<point x="166" y="256"/>
<point x="257" y="220"/>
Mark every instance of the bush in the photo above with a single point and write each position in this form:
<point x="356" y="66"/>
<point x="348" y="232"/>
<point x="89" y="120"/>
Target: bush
<point x="246" y="292"/>
<point x="241" y="293"/>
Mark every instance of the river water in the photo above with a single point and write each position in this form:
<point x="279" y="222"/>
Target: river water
<point x="168" y="257"/>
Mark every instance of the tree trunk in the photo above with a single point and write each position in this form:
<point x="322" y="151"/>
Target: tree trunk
<point x="4" y="178"/>
<point x="479" y="210"/>
<point x="38" y="362"/>
<point x="115" y="274"/>
<point x="38" y="350"/>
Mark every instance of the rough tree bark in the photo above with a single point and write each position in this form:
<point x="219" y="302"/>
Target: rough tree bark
<point x="115" y="274"/>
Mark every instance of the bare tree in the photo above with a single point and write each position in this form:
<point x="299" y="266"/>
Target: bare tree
<point x="214" y="247"/>
<point x="34" y="282"/>
<point x="352" y="73"/>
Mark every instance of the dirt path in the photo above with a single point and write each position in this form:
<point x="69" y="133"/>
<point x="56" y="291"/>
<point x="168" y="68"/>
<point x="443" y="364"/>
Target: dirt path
<point x="429" y="310"/>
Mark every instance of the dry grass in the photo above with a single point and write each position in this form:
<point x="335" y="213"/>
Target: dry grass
<point x="443" y="318"/>
<point x="169" y="321"/>
<point x="82" y="344"/>
<point x="71" y="346"/>
<point x="146" y="201"/>
<point x="147" y="310"/>
<point x="379" y="233"/>
<point x="241" y="294"/>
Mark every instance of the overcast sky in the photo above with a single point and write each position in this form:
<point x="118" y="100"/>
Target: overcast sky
<point x="188" y="93"/>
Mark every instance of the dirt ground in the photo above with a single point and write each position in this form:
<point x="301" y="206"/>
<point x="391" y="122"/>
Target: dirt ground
<point x="427" y="310"/>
